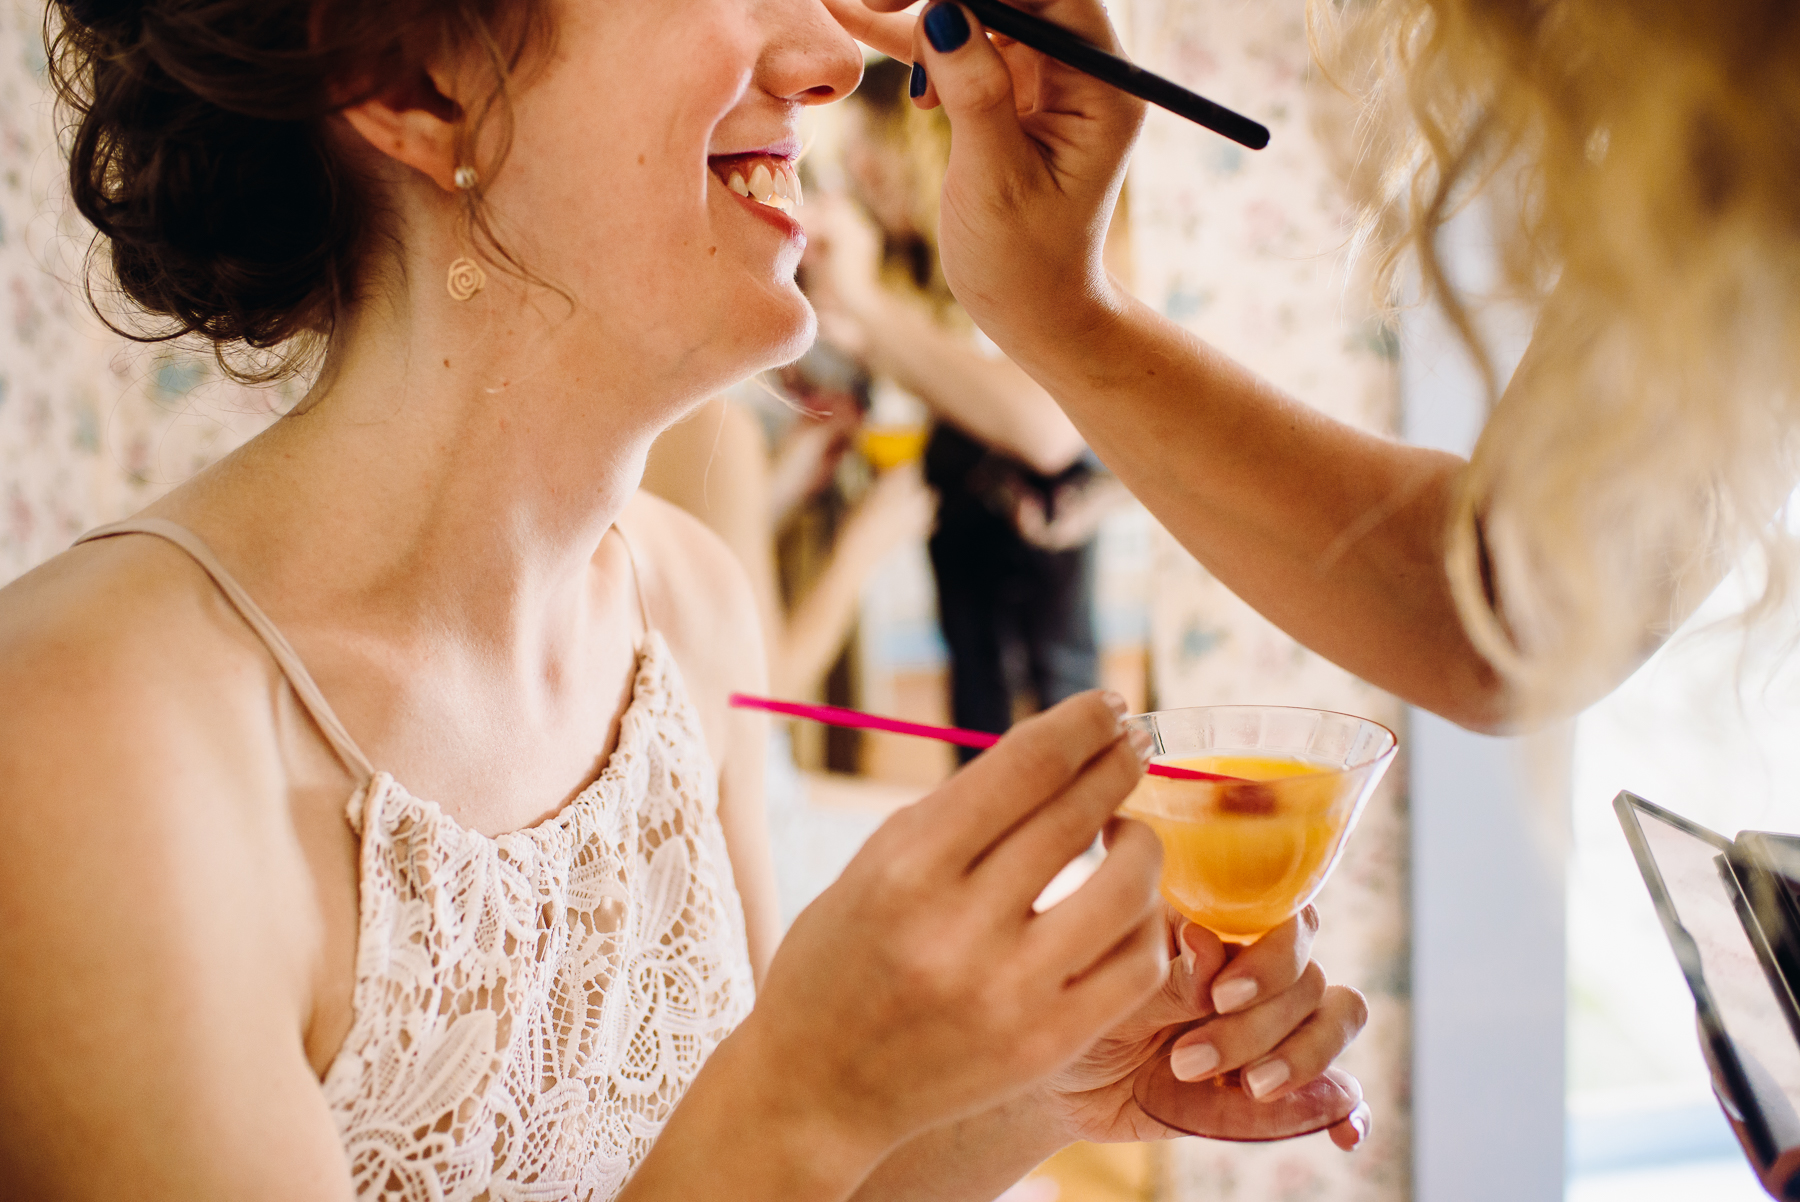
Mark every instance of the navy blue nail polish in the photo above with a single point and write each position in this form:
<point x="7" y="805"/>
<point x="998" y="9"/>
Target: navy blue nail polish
<point x="917" y="87"/>
<point x="946" y="28"/>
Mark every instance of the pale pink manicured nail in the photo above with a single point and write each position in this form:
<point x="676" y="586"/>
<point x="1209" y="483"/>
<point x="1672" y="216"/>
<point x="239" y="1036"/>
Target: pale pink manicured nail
<point x="1188" y="954"/>
<point x="1233" y="994"/>
<point x="1115" y="702"/>
<point x="1192" y="1061"/>
<point x="1359" y="1119"/>
<point x="1266" y="1077"/>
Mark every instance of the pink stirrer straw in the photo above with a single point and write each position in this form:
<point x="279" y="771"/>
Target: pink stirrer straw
<point x="832" y="715"/>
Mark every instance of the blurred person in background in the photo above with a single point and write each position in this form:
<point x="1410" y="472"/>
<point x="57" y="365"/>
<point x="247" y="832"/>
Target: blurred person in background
<point x="721" y="466"/>
<point x="1020" y="499"/>
<point x="745" y="473"/>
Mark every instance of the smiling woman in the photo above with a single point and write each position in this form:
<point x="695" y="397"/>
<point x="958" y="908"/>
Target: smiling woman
<point x="372" y="822"/>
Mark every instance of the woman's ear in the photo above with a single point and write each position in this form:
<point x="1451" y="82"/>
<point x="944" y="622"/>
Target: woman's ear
<point x="412" y="122"/>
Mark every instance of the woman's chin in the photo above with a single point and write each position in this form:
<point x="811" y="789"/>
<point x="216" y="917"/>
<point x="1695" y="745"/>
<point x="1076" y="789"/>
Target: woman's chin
<point x="805" y="333"/>
<point x="789" y="339"/>
<point x="774" y="330"/>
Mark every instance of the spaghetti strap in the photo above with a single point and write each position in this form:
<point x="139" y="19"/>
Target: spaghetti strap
<point x="637" y="578"/>
<point x="283" y="652"/>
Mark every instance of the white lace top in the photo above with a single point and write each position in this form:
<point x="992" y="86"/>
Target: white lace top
<point x="529" y="1008"/>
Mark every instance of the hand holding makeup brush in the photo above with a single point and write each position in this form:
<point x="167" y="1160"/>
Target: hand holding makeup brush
<point x="1037" y="159"/>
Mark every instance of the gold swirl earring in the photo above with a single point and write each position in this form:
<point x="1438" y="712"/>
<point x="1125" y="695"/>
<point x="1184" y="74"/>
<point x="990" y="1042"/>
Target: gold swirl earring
<point x="466" y="279"/>
<point x="466" y="276"/>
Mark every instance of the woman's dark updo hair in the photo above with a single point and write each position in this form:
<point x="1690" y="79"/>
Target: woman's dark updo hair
<point x="199" y="152"/>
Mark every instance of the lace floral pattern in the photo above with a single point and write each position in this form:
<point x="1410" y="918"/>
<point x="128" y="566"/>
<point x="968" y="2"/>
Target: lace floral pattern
<point x="530" y="1008"/>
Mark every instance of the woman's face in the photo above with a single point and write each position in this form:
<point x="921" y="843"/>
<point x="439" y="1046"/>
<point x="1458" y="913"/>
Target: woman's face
<point x="623" y="183"/>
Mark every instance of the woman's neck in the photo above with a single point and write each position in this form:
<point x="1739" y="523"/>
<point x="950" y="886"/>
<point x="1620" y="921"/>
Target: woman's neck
<point x="450" y="476"/>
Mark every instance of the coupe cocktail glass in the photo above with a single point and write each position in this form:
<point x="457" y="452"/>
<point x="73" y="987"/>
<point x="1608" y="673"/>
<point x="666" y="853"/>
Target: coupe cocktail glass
<point x="1242" y="857"/>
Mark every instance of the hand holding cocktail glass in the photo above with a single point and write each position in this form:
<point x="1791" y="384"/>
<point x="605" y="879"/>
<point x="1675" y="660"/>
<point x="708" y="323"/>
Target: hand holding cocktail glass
<point x="1241" y="860"/>
<point x="1266" y="1005"/>
<point x="1292" y="1020"/>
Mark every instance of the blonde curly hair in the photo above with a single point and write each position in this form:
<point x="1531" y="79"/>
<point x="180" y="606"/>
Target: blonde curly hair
<point x="1651" y="152"/>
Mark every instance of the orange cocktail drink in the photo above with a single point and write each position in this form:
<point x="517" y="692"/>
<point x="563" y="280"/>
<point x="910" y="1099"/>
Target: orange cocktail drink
<point x="1239" y="858"/>
<point x="889" y="447"/>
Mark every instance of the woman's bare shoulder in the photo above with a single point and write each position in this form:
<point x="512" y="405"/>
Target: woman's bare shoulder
<point x="128" y="683"/>
<point x="126" y="628"/>
<point x="158" y="902"/>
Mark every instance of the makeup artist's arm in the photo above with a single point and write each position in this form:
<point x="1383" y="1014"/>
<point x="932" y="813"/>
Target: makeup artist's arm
<point x="1334" y="534"/>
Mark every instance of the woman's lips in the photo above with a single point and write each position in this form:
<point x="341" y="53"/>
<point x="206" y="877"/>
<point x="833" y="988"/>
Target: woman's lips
<point x="764" y="179"/>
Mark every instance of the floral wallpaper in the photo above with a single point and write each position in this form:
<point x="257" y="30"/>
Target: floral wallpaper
<point x="1247" y="249"/>
<point x="92" y="426"/>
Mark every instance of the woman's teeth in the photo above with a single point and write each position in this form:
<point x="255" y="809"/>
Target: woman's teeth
<point x="777" y="186"/>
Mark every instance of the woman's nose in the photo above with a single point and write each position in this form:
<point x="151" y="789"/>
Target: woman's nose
<point x="809" y="57"/>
